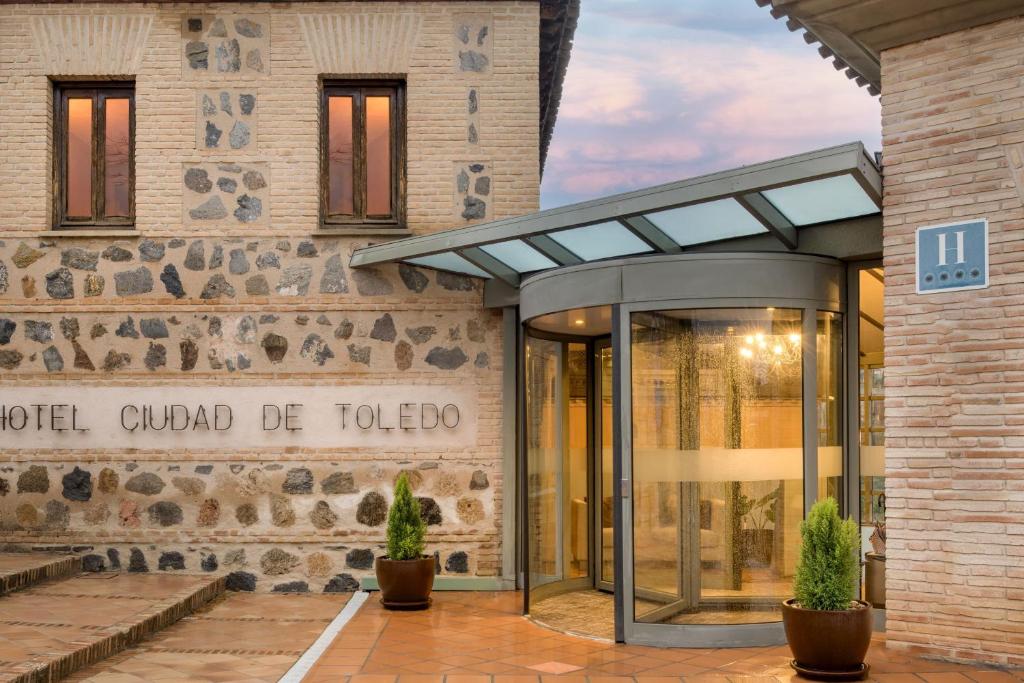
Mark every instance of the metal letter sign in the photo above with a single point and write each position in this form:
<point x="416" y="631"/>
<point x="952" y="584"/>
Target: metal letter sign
<point x="952" y="257"/>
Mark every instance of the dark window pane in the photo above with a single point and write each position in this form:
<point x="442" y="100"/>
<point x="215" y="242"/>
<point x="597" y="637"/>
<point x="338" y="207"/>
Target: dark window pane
<point x="378" y="156"/>
<point x="79" y="162"/>
<point x="117" y="151"/>
<point x="339" y="157"/>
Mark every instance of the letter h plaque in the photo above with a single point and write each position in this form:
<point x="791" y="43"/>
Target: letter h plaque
<point x="952" y="257"/>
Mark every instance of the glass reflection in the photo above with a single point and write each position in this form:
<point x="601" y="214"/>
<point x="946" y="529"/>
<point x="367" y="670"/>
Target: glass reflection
<point x="378" y="156"/>
<point x="543" y="434"/>
<point x="79" y="158"/>
<point x="717" y="463"/>
<point x="872" y="402"/>
<point x="558" y="509"/>
<point x="340" y="199"/>
<point x="829" y="341"/>
<point x="117" y="157"/>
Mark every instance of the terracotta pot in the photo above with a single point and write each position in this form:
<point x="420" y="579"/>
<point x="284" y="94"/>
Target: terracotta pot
<point x="828" y="645"/>
<point x="405" y="584"/>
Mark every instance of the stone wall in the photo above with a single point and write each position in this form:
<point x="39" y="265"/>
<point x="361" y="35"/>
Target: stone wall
<point x="226" y="281"/>
<point x="953" y="144"/>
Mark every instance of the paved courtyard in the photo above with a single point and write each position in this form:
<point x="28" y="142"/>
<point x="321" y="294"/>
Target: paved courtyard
<point x="201" y="634"/>
<point x="482" y="638"/>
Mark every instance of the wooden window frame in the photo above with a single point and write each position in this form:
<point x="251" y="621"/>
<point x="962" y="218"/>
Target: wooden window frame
<point x="358" y="90"/>
<point x="99" y="92"/>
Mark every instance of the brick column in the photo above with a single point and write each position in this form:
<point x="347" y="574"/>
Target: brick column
<point x="953" y="147"/>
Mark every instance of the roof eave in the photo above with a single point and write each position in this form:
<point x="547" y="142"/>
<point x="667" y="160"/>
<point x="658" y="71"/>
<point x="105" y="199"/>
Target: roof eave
<point x="558" y="20"/>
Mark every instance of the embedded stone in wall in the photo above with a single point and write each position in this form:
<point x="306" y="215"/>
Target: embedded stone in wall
<point x="359" y="558"/>
<point x="226" y="119"/>
<point x="470" y="510"/>
<point x="339" y="483"/>
<point x="34" y="480"/>
<point x="472" y="39"/>
<point x="318" y="564"/>
<point x="225" y="45"/>
<point x="224" y="193"/>
<point x="322" y="516"/>
<point x="77" y="485"/>
<point x="342" y="583"/>
<point x="372" y="510"/>
<point x="457" y="563"/>
<point x="276" y="562"/>
<point x="241" y="581"/>
<point x="162" y="342"/>
<point x="473" y="116"/>
<point x="473" y="190"/>
<point x="430" y="511"/>
<point x="479" y="481"/>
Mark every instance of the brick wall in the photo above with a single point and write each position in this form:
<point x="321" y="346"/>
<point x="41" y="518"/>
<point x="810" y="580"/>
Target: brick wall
<point x="953" y="145"/>
<point x="195" y="302"/>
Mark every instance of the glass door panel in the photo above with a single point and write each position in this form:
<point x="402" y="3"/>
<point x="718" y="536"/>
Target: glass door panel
<point x="558" y="472"/>
<point x="575" y="464"/>
<point x="717" y="463"/>
<point x="871" y="355"/>
<point x="543" y="455"/>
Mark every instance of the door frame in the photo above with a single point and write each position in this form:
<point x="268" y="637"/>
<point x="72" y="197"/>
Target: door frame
<point x="570" y="584"/>
<point x="598" y="344"/>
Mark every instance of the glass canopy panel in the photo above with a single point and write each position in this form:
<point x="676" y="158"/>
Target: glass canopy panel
<point x="603" y="240"/>
<point x="519" y="256"/>
<point x="706" y="222"/>
<point x="819" y="201"/>
<point x="449" y="261"/>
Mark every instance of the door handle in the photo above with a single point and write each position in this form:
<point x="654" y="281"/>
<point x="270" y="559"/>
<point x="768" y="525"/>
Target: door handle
<point x="625" y="488"/>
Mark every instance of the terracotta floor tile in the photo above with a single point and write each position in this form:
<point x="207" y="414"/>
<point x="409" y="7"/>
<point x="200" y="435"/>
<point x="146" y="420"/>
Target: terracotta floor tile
<point x="420" y="678"/>
<point x="555" y="667"/>
<point x="521" y="678"/>
<point x="467" y="678"/>
<point x="992" y="676"/>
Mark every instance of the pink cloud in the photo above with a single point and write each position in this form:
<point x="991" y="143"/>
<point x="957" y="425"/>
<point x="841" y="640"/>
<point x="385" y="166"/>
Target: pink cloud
<point x="640" y="112"/>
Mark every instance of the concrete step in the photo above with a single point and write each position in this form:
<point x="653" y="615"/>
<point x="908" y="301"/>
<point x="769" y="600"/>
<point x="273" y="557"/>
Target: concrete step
<point x="21" y="570"/>
<point x="50" y="630"/>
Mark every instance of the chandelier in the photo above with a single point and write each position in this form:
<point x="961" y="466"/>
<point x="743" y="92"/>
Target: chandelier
<point x="767" y="354"/>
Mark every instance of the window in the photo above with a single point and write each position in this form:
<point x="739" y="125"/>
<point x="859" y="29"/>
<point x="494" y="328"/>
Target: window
<point x="94" y="169"/>
<point x="363" y="154"/>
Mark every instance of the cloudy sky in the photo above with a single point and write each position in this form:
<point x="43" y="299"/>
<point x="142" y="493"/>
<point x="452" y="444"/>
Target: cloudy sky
<point x="660" y="90"/>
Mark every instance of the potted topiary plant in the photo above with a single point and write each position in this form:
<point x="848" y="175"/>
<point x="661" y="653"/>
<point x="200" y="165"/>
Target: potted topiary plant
<point x="405" y="575"/>
<point x="828" y="630"/>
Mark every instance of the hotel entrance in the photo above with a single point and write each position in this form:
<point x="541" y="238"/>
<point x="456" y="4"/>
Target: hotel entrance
<point x="569" y="450"/>
<point x="683" y="380"/>
<point x="719" y="414"/>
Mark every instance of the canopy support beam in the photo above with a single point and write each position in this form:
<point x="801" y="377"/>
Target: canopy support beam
<point x="484" y="261"/>
<point x="770" y="217"/>
<point x="553" y="250"/>
<point x="650" y="233"/>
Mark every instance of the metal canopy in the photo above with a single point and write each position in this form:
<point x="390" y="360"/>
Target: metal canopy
<point x="777" y="198"/>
